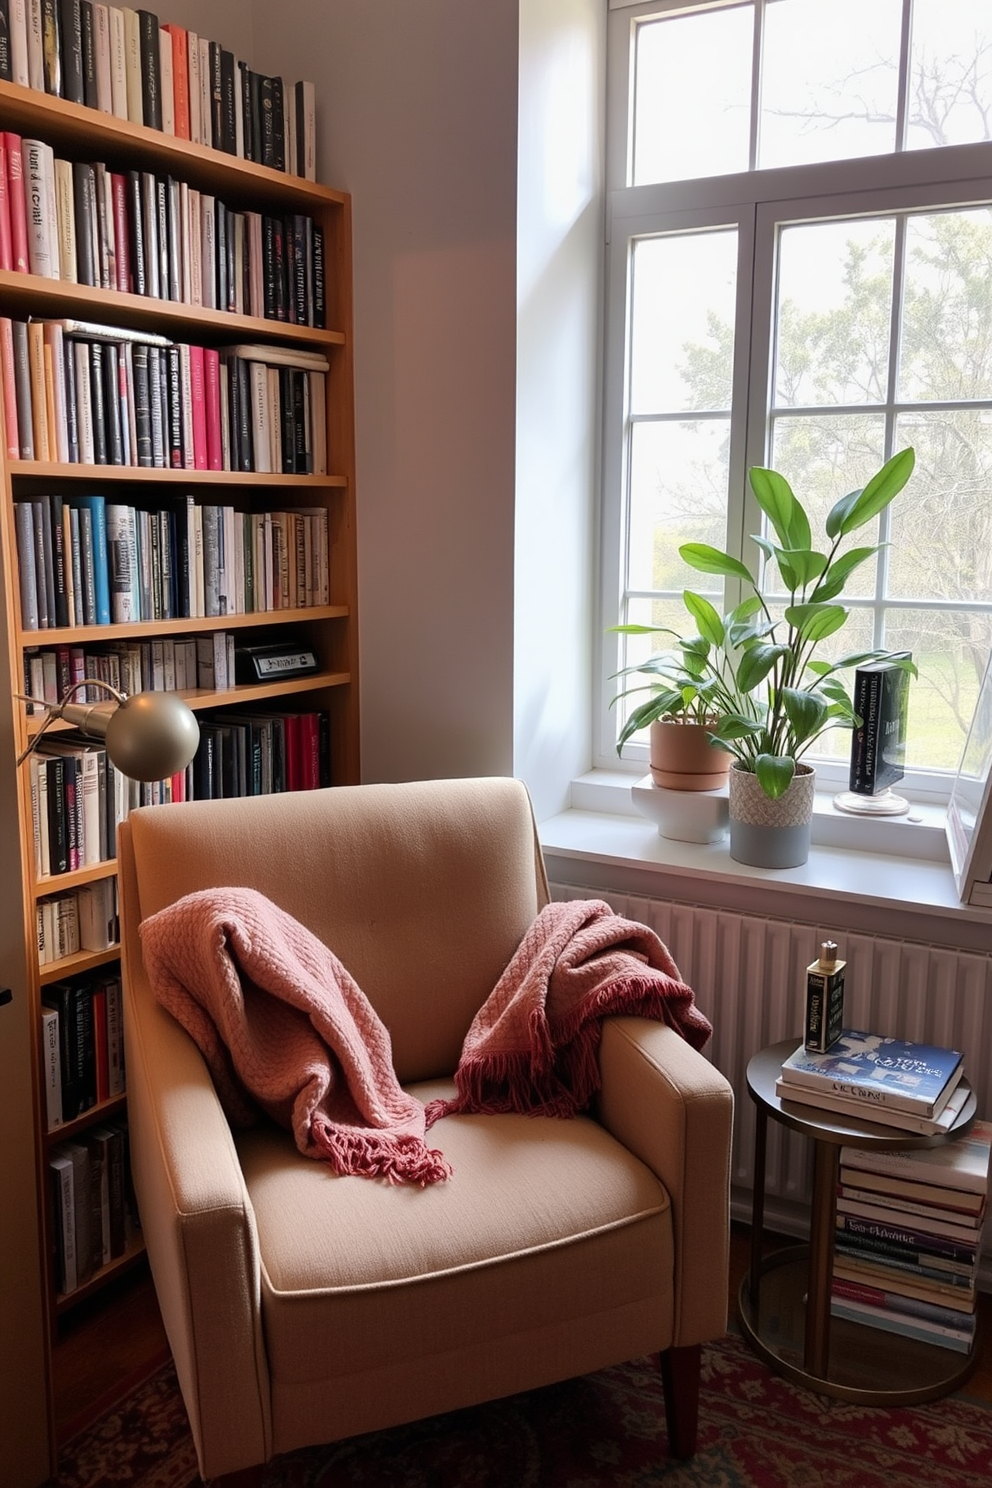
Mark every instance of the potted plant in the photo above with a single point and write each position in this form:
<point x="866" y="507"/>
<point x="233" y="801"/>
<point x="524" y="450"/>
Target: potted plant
<point x="765" y="693"/>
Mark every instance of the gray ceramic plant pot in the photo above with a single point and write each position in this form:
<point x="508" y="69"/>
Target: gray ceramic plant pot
<point x="766" y="833"/>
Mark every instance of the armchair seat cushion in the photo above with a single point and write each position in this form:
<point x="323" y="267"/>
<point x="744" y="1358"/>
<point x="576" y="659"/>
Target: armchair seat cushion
<point x="545" y="1222"/>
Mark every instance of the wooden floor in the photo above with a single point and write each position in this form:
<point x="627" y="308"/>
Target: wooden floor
<point x="106" y="1340"/>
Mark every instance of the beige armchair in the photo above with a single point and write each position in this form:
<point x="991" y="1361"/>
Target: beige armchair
<point x="302" y="1307"/>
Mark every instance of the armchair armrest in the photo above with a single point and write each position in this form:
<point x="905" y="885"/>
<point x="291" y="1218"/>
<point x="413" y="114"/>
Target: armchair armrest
<point x="199" y="1229"/>
<point x="672" y="1109"/>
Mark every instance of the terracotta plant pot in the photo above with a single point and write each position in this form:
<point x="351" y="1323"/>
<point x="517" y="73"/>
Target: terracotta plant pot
<point x="767" y="833"/>
<point x="682" y="757"/>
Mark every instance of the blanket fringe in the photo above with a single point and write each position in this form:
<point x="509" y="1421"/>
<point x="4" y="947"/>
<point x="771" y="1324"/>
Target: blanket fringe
<point x="398" y="1159"/>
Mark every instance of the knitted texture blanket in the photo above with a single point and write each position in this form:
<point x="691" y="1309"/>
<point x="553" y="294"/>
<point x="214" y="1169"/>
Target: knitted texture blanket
<point x="533" y="1046"/>
<point x="284" y="1026"/>
<point x="281" y="1022"/>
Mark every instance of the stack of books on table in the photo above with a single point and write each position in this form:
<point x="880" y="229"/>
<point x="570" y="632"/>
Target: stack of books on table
<point x="908" y="1238"/>
<point x="916" y="1087"/>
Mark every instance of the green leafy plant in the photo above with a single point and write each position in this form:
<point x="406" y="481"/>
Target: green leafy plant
<point x="753" y="680"/>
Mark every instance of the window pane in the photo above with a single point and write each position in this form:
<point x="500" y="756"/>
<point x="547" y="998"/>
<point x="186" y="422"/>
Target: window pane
<point x="678" y="494"/>
<point x="692" y="89"/>
<point x="823" y="458"/>
<point x="946" y="333"/>
<point x="682" y="322"/>
<point x="830" y="77"/>
<point x="950" y="86"/>
<point x="942" y="522"/>
<point x="834" y="313"/>
<point x="951" y="649"/>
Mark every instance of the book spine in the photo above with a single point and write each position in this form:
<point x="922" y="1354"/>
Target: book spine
<point x="18" y="205"/>
<point x="50" y="54"/>
<point x="319" y="295"/>
<point x="167" y="86"/>
<point x="19" y="43"/>
<point x="22" y="388"/>
<point x="151" y="70"/>
<point x="52" y="1067"/>
<point x="88" y="22"/>
<point x="875" y="1233"/>
<point x="42" y="217"/>
<point x="9" y="383"/>
<point x="71" y="50"/>
<point x="6" y="244"/>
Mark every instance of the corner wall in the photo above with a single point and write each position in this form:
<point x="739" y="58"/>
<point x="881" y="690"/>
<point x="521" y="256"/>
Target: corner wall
<point x="417" y="118"/>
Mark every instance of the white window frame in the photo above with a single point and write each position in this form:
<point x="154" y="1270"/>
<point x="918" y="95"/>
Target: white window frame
<point x="755" y="203"/>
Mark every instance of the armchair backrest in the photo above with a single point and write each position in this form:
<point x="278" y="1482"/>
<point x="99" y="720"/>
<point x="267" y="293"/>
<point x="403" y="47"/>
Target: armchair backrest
<point x="423" y="890"/>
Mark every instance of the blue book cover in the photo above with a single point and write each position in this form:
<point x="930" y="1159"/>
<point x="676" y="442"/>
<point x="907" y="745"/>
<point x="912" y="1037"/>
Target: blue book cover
<point x="880" y="1071"/>
<point x="101" y="571"/>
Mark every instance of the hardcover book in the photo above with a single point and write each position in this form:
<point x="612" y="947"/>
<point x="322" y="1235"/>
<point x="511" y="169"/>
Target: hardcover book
<point x="962" y="1165"/>
<point x="879" y="1071"/>
<point x="878" y="746"/>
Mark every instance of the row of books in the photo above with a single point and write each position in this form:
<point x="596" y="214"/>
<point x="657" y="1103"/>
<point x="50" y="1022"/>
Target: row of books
<point x="908" y="1238"/>
<point x="84" y="223"/>
<point x="85" y="394"/>
<point x="92" y="1202"/>
<point x="84" y="560"/>
<point x="78" y="798"/>
<point x="166" y="664"/>
<point x="84" y="919"/>
<point x="82" y="1045"/>
<point x="892" y="1082"/>
<point x="124" y="62"/>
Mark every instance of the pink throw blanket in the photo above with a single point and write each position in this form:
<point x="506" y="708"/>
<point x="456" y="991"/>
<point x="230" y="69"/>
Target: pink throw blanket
<point x="280" y="1021"/>
<point x="533" y="1046"/>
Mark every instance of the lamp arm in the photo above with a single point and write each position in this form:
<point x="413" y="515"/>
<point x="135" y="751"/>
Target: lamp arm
<point x="83" y="715"/>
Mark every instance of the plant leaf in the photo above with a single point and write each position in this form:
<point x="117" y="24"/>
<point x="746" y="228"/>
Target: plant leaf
<point x="744" y="610"/>
<point x="775" y="497"/>
<point x="736" y="726"/>
<point x="640" y="630"/>
<point x="836" y="576"/>
<point x="883" y="487"/>
<point x="774" y="774"/>
<point x="815" y="622"/>
<point x="711" y="560"/>
<point x="755" y="664"/>
<point x="705" y="616"/>
<point x="804" y="710"/>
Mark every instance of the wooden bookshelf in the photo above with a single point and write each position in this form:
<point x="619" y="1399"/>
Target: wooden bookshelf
<point x="85" y="135"/>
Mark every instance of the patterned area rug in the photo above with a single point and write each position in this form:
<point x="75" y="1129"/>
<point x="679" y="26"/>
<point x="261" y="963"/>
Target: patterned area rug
<point x="604" y="1431"/>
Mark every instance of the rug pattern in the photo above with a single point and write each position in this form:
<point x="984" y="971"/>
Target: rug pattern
<point x="606" y="1430"/>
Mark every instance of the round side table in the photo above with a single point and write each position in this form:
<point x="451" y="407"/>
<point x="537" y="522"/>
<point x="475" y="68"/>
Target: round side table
<point x="784" y="1299"/>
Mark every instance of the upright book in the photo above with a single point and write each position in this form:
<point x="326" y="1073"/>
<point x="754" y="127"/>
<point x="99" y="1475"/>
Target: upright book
<point x="878" y="745"/>
<point x="882" y="1072"/>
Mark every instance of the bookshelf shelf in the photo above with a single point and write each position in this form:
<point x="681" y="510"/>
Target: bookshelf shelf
<point x="100" y="1112"/>
<point x="51" y="883"/>
<point x="54" y="299"/>
<point x="48" y="470"/>
<point x="327" y="699"/>
<point x="79" y="634"/>
<point x="70" y="966"/>
<point x="134" y="1252"/>
<point x="75" y="128"/>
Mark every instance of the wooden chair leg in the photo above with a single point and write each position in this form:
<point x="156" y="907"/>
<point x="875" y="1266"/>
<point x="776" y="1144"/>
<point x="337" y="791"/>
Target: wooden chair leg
<point x="680" y="1370"/>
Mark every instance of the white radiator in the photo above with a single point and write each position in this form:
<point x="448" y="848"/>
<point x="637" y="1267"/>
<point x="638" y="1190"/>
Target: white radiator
<point x="749" y="976"/>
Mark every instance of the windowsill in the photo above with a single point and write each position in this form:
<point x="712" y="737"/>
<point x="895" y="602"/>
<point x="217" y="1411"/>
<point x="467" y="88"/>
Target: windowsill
<point x="899" y="869"/>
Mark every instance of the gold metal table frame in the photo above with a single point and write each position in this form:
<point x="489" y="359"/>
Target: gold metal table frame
<point x="784" y="1299"/>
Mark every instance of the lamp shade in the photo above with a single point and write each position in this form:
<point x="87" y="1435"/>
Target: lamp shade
<point x="148" y="736"/>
